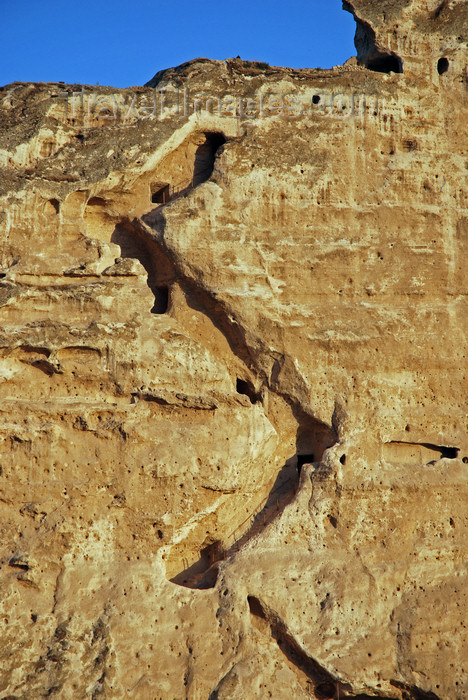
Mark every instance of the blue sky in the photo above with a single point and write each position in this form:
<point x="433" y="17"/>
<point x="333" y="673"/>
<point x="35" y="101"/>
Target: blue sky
<point x="124" y="43"/>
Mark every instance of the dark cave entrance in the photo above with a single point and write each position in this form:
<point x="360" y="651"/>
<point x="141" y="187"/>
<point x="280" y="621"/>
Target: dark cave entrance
<point x="161" y="300"/>
<point x="149" y="253"/>
<point x="312" y="439"/>
<point x="247" y="389"/>
<point x="205" y="156"/>
<point x="304" y="459"/>
<point x="369" y="53"/>
<point x="385" y="63"/>
<point x="160" y="194"/>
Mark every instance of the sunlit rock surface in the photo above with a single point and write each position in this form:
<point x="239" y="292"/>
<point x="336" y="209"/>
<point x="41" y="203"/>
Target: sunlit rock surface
<point x="233" y="436"/>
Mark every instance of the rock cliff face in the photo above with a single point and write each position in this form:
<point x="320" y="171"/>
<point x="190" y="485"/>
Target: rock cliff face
<point x="233" y="435"/>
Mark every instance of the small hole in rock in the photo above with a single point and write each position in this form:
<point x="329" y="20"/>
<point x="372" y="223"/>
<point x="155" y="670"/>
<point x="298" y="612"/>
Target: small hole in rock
<point x="54" y="205"/>
<point x="343" y="459"/>
<point x="316" y="99"/>
<point x="246" y="388"/>
<point x="205" y="157"/>
<point x="443" y="65"/>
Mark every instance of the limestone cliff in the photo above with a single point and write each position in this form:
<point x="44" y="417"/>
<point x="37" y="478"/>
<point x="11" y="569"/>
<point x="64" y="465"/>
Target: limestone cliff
<point x="233" y="436"/>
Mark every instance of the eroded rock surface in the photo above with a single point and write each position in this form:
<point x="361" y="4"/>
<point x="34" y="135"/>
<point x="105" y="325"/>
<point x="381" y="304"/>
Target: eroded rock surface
<point x="234" y="451"/>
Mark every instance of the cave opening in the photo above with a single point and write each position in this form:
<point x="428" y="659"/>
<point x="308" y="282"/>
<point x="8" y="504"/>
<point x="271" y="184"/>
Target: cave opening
<point x="161" y="300"/>
<point x="369" y="52"/>
<point x="247" y="389"/>
<point x="205" y="156"/>
<point x="304" y="459"/>
<point x="156" y="263"/>
<point x="385" y="63"/>
<point x="312" y="439"/>
<point x="160" y="194"/>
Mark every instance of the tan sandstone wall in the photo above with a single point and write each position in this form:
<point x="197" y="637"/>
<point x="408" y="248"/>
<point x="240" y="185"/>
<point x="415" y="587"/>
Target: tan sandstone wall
<point x="192" y="303"/>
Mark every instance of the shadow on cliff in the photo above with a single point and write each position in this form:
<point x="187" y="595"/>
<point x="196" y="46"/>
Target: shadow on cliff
<point x="144" y="239"/>
<point x="204" y="572"/>
<point x="314" y="675"/>
<point x="311" y="441"/>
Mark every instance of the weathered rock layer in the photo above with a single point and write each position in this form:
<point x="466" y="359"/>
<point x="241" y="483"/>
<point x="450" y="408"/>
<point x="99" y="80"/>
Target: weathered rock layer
<point x="233" y="432"/>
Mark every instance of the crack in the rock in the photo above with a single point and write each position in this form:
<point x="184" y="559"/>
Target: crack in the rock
<point x="313" y="436"/>
<point x="412" y="692"/>
<point x="445" y="451"/>
<point x="143" y="238"/>
<point x="280" y="496"/>
<point x="225" y="321"/>
<point x="326" y="685"/>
